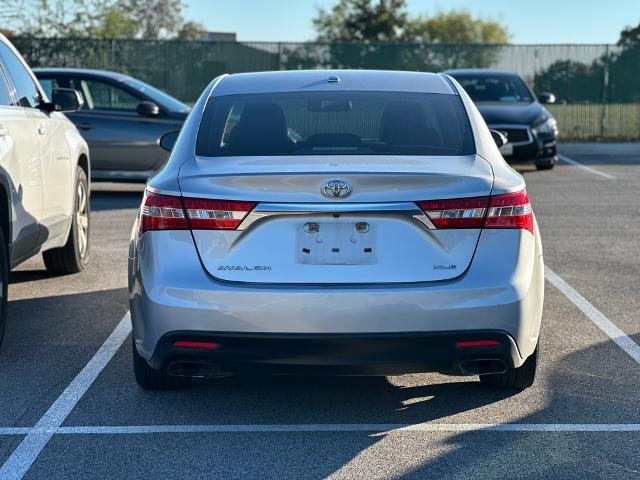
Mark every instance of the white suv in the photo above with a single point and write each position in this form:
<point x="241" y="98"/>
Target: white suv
<point x="44" y="172"/>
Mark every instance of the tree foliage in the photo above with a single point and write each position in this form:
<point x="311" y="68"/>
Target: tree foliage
<point x="390" y="21"/>
<point x="382" y="34"/>
<point x="362" y="21"/>
<point x="145" y="19"/>
<point x="630" y="36"/>
<point x="455" y="27"/>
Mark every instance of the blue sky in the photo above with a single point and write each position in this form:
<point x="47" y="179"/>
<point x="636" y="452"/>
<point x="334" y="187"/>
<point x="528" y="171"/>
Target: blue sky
<point x="529" y="21"/>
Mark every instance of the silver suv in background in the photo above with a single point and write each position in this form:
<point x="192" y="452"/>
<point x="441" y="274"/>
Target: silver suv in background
<point x="44" y="172"/>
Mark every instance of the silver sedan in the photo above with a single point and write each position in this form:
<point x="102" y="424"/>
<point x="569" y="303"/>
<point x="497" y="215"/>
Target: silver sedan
<point x="335" y="222"/>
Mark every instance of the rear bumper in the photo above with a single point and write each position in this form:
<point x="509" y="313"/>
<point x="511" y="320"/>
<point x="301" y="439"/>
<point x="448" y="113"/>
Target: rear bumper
<point x="502" y="291"/>
<point x="339" y="354"/>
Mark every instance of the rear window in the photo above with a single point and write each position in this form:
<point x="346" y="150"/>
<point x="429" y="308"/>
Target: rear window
<point x="335" y="123"/>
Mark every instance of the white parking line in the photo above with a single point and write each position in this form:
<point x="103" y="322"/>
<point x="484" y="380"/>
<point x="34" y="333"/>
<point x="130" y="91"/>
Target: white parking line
<point x="359" y="427"/>
<point x="330" y="428"/>
<point x="23" y="457"/>
<point x="602" y="322"/>
<point x="51" y="422"/>
<point x="584" y="167"/>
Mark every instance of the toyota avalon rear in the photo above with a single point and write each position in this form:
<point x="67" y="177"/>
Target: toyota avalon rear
<point x="339" y="223"/>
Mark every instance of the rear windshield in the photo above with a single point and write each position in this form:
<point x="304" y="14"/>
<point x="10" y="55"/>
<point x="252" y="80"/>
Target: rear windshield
<point x="499" y="88"/>
<point x="335" y="123"/>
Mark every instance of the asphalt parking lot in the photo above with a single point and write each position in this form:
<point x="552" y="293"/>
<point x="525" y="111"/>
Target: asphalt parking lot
<point x="581" y="419"/>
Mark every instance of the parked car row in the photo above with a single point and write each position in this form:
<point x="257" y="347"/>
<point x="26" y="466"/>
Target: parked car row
<point x="44" y="175"/>
<point x="343" y="222"/>
<point x="122" y="120"/>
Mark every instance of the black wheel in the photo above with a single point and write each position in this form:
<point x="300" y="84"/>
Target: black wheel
<point x="4" y="281"/>
<point x="149" y="378"/>
<point x="514" y="378"/>
<point x="74" y="256"/>
<point x="545" y="163"/>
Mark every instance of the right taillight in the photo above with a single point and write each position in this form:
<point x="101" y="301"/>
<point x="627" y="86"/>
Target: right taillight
<point x="510" y="210"/>
<point x="507" y="210"/>
<point x="168" y="212"/>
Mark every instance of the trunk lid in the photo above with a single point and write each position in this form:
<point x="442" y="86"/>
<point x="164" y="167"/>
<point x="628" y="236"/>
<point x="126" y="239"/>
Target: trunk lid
<point x="295" y="235"/>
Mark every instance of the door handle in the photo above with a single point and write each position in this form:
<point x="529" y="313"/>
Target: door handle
<point x="84" y="126"/>
<point x="42" y="130"/>
<point x="4" y="131"/>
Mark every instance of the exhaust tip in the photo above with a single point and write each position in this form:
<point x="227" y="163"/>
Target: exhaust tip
<point x="193" y="369"/>
<point x="482" y="366"/>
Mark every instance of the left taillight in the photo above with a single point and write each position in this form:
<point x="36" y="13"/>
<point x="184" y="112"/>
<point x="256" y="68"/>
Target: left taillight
<point x="168" y="212"/>
<point x="162" y="212"/>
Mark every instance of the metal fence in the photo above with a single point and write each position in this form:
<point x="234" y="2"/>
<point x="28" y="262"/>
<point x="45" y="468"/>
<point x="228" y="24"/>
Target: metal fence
<point x="596" y="85"/>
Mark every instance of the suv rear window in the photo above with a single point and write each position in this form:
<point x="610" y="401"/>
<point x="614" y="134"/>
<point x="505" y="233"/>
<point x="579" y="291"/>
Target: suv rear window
<point x="335" y="123"/>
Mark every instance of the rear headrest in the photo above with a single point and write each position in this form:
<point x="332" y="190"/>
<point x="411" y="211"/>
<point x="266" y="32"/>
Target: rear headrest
<point x="262" y="126"/>
<point x="404" y="123"/>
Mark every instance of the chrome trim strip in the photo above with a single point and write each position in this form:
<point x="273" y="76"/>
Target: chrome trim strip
<point x="265" y="210"/>
<point x="515" y="126"/>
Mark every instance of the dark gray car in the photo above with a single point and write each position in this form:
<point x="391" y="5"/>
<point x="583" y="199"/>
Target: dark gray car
<point x="122" y="120"/>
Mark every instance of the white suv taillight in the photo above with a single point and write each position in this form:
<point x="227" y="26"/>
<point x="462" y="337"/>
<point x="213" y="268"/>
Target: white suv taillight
<point x="507" y="210"/>
<point x="167" y="212"/>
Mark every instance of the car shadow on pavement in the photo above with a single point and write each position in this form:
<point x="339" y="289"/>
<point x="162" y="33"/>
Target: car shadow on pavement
<point x="568" y="390"/>
<point x="113" y="200"/>
<point x="304" y="399"/>
<point x="23" y="276"/>
<point x="578" y="393"/>
<point x="48" y="341"/>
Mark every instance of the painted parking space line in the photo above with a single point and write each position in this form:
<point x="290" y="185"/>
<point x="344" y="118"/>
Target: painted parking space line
<point x="585" y="167"/>
<point x="357" y="427"/>
<point x="603" y="323"/>
<point x="330" y="428"/>
<point x="23" y="457"/>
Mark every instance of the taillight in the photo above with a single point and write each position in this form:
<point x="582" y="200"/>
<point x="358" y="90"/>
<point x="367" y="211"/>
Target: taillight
<point x="167" y="212"/>
<point x="162" y="212"/>
<point x="508" y="210"/>
<point x="456" y="213"/>
<point x="205" y="214"/>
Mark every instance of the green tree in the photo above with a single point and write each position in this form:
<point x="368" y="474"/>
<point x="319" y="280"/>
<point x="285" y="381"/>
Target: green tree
<point x="362" y="21"/>
<point x="456" y="27"/>
<point x="114" y="23"/>
<point x="630" y="35"/>
<point x="146" y="19"/>
<point x="155" y="18"/>
<point x="382" y="34"/>
<point x="191" y="31"/>
<point x="571" y="81"/>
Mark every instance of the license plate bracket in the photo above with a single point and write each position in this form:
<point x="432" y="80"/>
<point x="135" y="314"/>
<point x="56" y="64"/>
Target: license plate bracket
<point x="336" y="243"/>
<point x="507" y="149"/>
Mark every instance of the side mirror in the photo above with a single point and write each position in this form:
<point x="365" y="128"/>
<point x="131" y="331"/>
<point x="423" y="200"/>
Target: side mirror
<point x="499" y="137"/>
<point x="547" y="97"/>
<point x="64" y="100"/>
<point x="168" y="140"/>
<point x="148" y="109"/>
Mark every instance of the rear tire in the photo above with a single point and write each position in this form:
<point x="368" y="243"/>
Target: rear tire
<point x="514" y="378"/>
<point x="74" y="256"/>
<point x="4" y="281"/>
<point x="149" y="378"/>
<point x="545" y="163"/>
